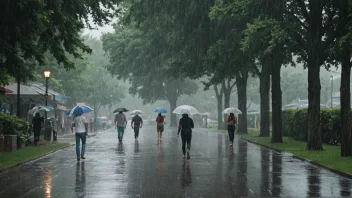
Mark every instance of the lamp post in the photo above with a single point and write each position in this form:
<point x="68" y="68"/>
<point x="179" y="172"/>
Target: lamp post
<point x="47" y="76"/>
<point x="332" y="88"/>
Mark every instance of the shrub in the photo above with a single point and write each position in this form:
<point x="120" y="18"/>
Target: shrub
<point x="300" y="125"/>
<point x="12" y="125"/>
<point x="330" y="126"/>
<point x="295" y="125"/>
<point x="287" y="121"/>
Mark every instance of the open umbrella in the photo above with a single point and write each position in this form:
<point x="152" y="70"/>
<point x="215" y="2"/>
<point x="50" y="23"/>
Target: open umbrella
<point x="232" y="110"/>
<point x="205" y="114"/>
<point x="36" y="109"/>
<point x="160" y="110"/>
<point x="103" y="117"/>
<point x="120" y="110"/>
<point x="78" y="110"/>
<point x="136" y="112"/>
<point x="185" y="109"/>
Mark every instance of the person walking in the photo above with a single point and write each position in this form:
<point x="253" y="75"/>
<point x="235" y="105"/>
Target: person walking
<point x="37" y="123"/>
<point x="160" y="121"/>
<point x="231" y="127"/>
<point x="80" y="125"/>
<point x="53" y="126"/>
<point x="185" y="127"/>
<point x="136" y="124"/>
<point x="120" y="124"/>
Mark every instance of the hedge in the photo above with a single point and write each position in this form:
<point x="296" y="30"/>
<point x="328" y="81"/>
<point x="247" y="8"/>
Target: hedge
<point x="295" y="125"/>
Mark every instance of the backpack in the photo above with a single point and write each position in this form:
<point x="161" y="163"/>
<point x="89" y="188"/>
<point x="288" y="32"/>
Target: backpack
<point x="160" y="121"/>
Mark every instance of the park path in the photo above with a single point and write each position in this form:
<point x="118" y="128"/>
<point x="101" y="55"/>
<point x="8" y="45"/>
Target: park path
<point x="145" y="168"/>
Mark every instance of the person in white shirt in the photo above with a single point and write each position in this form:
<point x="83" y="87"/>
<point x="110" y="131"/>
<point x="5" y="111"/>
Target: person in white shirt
<point x="120" y="124"/>
<point x="81" y="128"/>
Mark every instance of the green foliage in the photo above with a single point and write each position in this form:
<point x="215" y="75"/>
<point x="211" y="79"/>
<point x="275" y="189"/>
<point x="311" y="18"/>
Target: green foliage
<point x="287" y="121"/>
<point x="101" y="88"/>
<point x="32" y="28"/>
<point x="295" y="124"/>
<point x="12" y="125"/>
<point x="132" y="59"/>
<point x="88" y="82"/>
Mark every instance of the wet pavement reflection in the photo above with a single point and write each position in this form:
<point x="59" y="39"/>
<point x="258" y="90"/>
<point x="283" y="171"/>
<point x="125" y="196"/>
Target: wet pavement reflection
<point x="145" y="168"/>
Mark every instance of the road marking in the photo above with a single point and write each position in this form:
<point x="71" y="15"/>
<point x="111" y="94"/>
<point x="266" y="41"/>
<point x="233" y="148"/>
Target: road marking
<point x="251" y="190"/>
<point x="270" y="192"/>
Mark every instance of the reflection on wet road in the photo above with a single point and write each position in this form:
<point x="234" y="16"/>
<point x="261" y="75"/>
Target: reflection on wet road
<point x="146" y="169"/>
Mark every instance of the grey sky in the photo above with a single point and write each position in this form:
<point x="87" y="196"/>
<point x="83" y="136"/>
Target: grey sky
<point x="99" y="31"/>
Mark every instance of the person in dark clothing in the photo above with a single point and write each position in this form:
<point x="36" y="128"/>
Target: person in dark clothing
<point x="185" y="127"/>
<point x="231" y="127"/>
<point x="136" y="124"/>
<point x="37" y="122"/>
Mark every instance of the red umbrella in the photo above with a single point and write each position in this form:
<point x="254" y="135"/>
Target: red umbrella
<point x="4" y="90"/>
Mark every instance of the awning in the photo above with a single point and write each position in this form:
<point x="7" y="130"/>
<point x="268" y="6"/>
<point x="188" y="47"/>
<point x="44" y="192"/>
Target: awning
<point x="4" y="90"/>
<point x="61" y="97"/>
<point x="35" y="90"/>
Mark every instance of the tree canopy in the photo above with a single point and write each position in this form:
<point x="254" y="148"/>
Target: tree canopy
<point x="30" y="29"/>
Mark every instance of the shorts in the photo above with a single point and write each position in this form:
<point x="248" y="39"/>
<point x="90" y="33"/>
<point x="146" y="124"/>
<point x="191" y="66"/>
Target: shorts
<point x="160" y="128"/>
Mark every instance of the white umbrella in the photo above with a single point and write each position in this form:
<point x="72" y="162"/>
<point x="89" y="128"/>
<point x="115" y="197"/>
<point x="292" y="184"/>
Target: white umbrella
<point x="185" y="109"/>
<point x="136" y="112"/>
<point x="232" y="110"/>
<point x="36" y="109"/>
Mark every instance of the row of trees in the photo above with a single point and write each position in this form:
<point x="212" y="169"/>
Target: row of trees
<point x="164" y="42"/>
<point x="89" y="82"/>
<point x="230" y="40"/>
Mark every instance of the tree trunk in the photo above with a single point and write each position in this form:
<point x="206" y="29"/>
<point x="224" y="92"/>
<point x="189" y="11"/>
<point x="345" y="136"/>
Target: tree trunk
<point x="345" y="101"/>
<point x="276" y="103"/>
<point x="241" y="83"/>
<point x="315" y="60"/>
<point x="265" y="99"/>
<point x="314" y="125"/>
<point x="227" y="98"/>
<point x="173" y="118"/>
<point x="95" y="119"/>
<point x="18" y="96"/>
<point x="219" y="97"/>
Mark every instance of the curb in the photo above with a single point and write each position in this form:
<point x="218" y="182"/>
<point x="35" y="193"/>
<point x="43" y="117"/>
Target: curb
<point x="8" y="168"/>
<point x="343" y="174"/>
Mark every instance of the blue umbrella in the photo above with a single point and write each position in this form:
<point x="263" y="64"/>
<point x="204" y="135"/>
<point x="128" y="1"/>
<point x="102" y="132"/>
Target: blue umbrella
<point x="160" y="110"/>
<point x="78" y="110"/>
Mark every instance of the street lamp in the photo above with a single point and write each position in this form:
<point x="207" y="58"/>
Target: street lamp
<point x="332" y="83"/>
<point x="47" y="76"/>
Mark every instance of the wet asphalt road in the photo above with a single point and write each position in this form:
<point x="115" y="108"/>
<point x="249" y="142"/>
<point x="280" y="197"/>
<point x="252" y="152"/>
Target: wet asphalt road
<point x="147" y="169"/>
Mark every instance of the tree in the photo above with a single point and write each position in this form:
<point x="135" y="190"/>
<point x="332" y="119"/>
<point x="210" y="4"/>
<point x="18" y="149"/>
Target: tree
<point x="267" y="39"/>
<point x="32" y="28"/>
<point x="314" y="27"/>
<point x="293" y="86"/>
<point x="341" y="53"/>
<point x="103" y="88"/>
<point x="147" y="70"/>
<point x="88" y="82"/>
